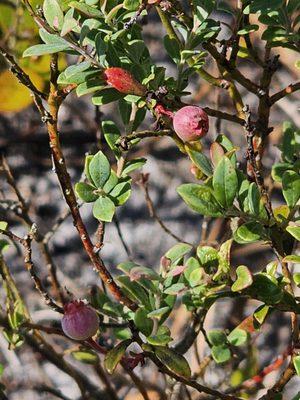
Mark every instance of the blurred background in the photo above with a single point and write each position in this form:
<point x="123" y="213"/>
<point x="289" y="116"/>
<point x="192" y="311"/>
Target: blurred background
<point x="135" y="234"/>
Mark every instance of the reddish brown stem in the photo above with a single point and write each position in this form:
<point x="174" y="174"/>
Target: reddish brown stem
<point x="69" y="195"/>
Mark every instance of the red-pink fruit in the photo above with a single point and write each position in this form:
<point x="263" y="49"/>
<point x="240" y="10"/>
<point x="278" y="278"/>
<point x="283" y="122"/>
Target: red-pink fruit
<point x="80" y="321"/>
<point x="123" y="81"/>
<point x="190" y="123"/>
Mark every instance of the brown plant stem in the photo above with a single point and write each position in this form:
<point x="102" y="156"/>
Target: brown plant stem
<point x="108" y="386"/>
<point x="190" y="382"/>
<point x="26" y="243"/>
<point x="68" y="192"/>
<point x="254" y="159"/>
<point x="293" y="87"/>
<point x="40" y="239"/>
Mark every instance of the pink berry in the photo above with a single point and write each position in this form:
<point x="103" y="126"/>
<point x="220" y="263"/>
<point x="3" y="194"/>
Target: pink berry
<point x="80" y="321"/>
<point x="190" y="123"/>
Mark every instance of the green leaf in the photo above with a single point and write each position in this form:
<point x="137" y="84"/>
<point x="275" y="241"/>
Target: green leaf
<point x="111" y="182"/>
<point x="173" y="361"/>
<point x="99" y="169"/>
<point x="77" y="68"/>
<point x="244" y="279"/>
<point x="76" y="78"/>
<point x="201" y="161"/>
<point x="89" y="86"/>
<point x="69" y="24"/>
<point x="237" y="337"/>
<point x="106" y="96"/>
<point x="265" y="288"/>
<point x="124" y="196"/>
<point x="86" y="192"/>
<point x="202" y="9"/>
<point x="208" y="257"/>
<point x="158" y="313"/>
<point x="279" y="169"/>
<point x="225" y="182"/>
<point x="291" y="188"/>
<point x="263" y="6"/>
<point x="216" y="337"/>
<point x="115" y="355"/>
<point x="195" y="277"/>
<point x="4" y="245"/>
<point x="137" y="271"/>
<point x="292" y="258"/>
<point x="50" y="38"/>
<point x="87" y="162"/>
<point x="253" y="199"/>
<point x="111" y="134"/>
<point x="296" y="278"/>
<point x="132" y="165"/>
<point x="104" y="209"/>
<point x="41" y="49"/>
<point x="175" y="289"/>
<point x="53" y="14"/>
<point x="142" y="322"/>
<point x="138" y="52"/>
<point x="290" y="142"/>
<point x="248" y="232"/>
<point x="200" y="199"/>
<point x="228" y="147"/>
<point x="86" y="357"/>
<point x="134" y="290"/>
<point x="221" y="354"/>
<point x="131" y="5"/>
<point x="296" y="362"/>
<point x="248" y="29"/>
<point x="119" y="189"/>
<point x="178" y="251"/>
<point x="294" y="231"/>
<point x="216" y="153"/>
<point x="159" y="340"/>
<point x="86" y="10"/>
<point x="3" y="225"/>
<point x="261" y="313"/>
<point x="192" y="265"/>
<point x="173" y="49"/>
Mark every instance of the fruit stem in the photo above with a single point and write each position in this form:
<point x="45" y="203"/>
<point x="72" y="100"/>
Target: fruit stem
<point x="94" y="345"/>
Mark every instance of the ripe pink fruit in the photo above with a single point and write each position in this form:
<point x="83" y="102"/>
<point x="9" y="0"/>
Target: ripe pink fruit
<point x="190" y="123"/>
<point x="123" y="81"/>
<point x="80" y="321"/>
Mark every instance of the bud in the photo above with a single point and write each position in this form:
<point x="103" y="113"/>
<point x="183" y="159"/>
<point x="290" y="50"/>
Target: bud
<point x="190" y="123"/>
<point x="123" y="81"/>
<point x="80" y="321"/>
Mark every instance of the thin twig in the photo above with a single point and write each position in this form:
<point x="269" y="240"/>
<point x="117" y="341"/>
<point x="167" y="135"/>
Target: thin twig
<point x="21" y="74"/>
<point x="190" y="382"/>
<point x="143" y="182"/>
<point x="111" y="392"/>
<point x="233" y="72"/>
<point x="26" y="243"/>
<point x="121" y="236"/>
<point x="254" y="161"/>
<point x="47" y="389"/>
<point x="69" y="195"/>
<point x="24" y="215"/>
<point x="293" y="87"/>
